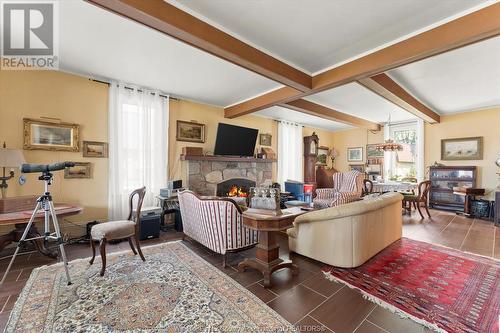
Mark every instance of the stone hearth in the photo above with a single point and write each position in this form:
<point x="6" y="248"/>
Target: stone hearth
<point x="204" y="175"/>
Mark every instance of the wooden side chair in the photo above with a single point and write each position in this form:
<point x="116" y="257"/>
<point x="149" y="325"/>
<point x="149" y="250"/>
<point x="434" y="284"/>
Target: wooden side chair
<point x="367" y="187"/>
<point x="416" y="199"/>
<point x="112" y="230"/>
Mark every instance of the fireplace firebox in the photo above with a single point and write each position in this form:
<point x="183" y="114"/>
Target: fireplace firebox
<point x="234" y="187"/>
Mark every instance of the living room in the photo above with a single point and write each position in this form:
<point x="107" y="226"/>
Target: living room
<point x="348" y="182"/>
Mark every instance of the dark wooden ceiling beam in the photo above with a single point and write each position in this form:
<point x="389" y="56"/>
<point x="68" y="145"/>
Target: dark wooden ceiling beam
<point x="311" y="108"/>
<point x="384" y="86"/>
<point x="168" y="19"/>
<point x="468" y="29"/>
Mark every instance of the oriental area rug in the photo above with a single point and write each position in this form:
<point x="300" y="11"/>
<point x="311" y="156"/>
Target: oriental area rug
<point x="443" y="289"/>
<point x="173" y="291"/>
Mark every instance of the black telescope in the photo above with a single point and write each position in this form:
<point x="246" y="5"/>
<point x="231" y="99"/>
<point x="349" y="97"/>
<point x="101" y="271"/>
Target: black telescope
<point x="31" y="168"/>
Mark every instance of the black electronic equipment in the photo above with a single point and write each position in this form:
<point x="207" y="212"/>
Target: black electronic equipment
<point x="31" y="168"/>
<point x="150" y="223"/>
<point x="235" y="140"/>
<point x="174" y="184"/>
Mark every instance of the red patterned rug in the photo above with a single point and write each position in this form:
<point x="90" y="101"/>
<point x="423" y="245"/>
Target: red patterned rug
<point x="444" y="289"/>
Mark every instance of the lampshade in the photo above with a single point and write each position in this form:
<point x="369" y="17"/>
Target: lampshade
<point x="11" y="158"/>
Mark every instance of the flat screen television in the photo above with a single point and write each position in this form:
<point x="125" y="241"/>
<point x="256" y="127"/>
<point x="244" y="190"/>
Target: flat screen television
<point x="235" y="140"/>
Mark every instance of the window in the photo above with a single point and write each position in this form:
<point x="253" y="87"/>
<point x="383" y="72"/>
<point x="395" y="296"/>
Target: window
<point x="138" y="138"/>
<point x="404" y="165"/>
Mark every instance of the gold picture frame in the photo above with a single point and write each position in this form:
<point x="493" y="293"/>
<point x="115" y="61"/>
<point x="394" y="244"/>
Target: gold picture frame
<point x="265" y="139"/>
<point x="79" y="171"/>
<point x="190" y="131"/>
<point x="322" y="159"/>
<point x="47" y="135"/>
<point x="95" y="149"/>
<point x="462" y="149"/>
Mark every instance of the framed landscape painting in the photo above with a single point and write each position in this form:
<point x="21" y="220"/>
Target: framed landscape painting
<point x="190" y="131"/>
<point x="46" y="135"/>
<point x="371" y="152"/>
<point x="80" y="170"/>
<point x="460" y="149"/>
<point x="355" y="154"/>
<point x="95" y="149"/>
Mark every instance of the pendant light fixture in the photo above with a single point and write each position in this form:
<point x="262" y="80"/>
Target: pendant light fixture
<point x="389" y="144"/>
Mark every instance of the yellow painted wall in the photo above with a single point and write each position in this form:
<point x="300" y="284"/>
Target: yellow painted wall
<point x="210" y="116"/>
<point x="358" y="137"/>
<point x="485" y="123"/>
<point x="73" y="99"/>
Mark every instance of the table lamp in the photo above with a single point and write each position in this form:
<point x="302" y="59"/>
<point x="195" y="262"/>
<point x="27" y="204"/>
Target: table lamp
<point x="9" y="158"/>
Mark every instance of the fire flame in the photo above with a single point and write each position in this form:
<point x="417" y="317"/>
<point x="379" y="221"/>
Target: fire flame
<point x="236" y="191"/>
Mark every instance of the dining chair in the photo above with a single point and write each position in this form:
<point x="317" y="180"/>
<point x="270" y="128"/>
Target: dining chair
<point x="416" y="199"/>
<point x="114" y="230"/>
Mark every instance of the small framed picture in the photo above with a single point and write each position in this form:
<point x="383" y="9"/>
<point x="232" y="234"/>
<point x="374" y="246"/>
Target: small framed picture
<point x="355" y="154"/>
<point x="461" y="149"/>
<point x="190" y="131"/>
<point x="265" y="139"/>
<point x="95" y="149"/>
<point x="322" y="156"/>
<point x="371" y="152"/>
<point x="47" y="135"/>
<point x="357" y="167"/>
<point x="80" y="170"/>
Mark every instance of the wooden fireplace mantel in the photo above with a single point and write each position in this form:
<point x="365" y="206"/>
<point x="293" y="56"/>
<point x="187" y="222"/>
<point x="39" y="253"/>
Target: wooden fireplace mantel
<point x="226" y="159"/>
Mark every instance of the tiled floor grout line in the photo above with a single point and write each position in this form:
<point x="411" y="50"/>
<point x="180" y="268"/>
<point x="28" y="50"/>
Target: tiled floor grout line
<point x="317" y="292"/>
<point x="453" y="219"/>
<point x="383" y="329"/>
<point x="494" y="240"/>
<point x="467" y="234"/>
<point x="6" y="301"/>
<point x="326" y="299"/>
<point x="366" y="317"/>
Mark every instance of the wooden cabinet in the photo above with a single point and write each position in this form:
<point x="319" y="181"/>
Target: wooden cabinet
<point x="444" y="179"/>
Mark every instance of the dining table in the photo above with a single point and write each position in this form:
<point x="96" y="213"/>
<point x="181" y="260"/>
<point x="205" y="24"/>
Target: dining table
<point x="393" y="186"/>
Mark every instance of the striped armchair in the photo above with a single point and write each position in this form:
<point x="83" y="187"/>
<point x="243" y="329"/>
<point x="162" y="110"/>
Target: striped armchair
<point x="347" y="187"/>
<point x="215" y="223"/>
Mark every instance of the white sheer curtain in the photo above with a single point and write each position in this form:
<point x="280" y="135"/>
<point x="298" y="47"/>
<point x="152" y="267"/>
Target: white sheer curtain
<point x="290" y="152"/>
<point x="138" y="146"/>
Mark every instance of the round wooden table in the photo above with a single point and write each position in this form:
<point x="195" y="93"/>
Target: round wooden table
<point x="267" y="258"/>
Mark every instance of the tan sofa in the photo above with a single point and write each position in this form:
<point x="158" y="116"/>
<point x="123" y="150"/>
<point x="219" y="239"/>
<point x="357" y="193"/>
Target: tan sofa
<point x="348" y="235"/>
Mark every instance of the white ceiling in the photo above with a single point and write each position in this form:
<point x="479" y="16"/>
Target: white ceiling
<point x="358" y="101"/>
<point x="280" y="113"/>
<point x="461" y="80"/>
<point x="316" y="34"/>
<point x="96" y="42"/>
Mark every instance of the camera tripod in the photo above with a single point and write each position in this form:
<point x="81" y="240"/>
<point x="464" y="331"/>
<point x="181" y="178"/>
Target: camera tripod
<point x="44" y="202"/>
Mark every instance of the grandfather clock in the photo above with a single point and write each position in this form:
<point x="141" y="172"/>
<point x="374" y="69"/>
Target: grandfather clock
<point x="311" y="144"/>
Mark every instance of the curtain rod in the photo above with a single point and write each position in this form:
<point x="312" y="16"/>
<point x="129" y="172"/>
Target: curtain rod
<point x="291" y="123"/>
<point x="139" y="90"/>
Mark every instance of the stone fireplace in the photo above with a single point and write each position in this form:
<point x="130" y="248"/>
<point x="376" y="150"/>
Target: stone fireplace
<point x="212" y="175"/>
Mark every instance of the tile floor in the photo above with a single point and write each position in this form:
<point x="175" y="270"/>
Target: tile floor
<point x="307" y="300"/>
